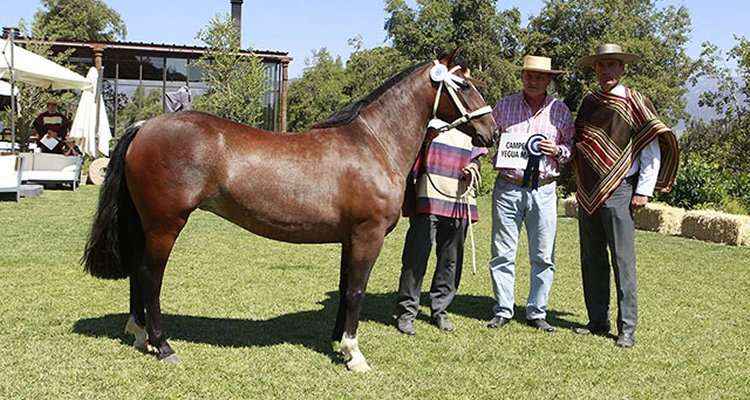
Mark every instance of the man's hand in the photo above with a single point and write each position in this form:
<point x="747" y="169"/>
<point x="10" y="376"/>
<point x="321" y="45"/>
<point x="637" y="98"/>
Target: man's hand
<point x="470" y="169"/>
<point x="638" y="201"/>
<point x="548" y="148"/>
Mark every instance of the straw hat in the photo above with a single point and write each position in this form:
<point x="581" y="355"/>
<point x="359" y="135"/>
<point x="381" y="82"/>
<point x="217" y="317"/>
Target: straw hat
<point x="538" y="64"/>
<point x="608" y="50"/>
<point x="52" y="100"/>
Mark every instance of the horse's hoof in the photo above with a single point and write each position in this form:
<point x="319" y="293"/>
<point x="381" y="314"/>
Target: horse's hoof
<point x="359" y="367"/>
<point x="170" y="359"/>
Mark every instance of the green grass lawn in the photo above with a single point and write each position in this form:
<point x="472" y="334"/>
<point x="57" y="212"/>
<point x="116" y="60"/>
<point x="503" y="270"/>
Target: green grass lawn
<point x="252" y="318"/>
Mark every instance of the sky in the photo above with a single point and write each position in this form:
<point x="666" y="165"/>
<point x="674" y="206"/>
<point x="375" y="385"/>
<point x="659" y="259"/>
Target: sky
<point x="299" y="27"/>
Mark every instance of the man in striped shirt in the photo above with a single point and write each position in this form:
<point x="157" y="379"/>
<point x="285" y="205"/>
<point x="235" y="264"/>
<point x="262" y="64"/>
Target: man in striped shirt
<point x="543" y="128"/>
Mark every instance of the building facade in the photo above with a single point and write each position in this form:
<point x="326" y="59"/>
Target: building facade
<point x="167" y="68"/>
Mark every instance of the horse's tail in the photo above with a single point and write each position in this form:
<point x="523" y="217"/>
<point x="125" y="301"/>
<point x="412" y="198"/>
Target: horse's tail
<point x="116" y="242"/>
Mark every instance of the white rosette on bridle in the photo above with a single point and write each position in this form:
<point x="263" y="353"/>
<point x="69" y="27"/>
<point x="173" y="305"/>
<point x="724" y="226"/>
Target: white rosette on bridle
<point x="440" y="73"/>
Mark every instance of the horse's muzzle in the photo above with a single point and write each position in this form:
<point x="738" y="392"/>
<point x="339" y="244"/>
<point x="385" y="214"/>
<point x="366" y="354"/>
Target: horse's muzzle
<point x="486" y="140"/>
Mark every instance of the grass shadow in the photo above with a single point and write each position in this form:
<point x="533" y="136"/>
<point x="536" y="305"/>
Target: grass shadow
<point x="310" y="329"/>
<point x="381" y="307"/>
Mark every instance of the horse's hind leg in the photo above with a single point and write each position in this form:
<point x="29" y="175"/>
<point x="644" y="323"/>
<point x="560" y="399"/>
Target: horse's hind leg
<point x="150" y="275"/>
<point x="137" y="320"/>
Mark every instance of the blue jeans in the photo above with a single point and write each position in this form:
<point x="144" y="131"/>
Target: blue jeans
<point x="511" y="206"/>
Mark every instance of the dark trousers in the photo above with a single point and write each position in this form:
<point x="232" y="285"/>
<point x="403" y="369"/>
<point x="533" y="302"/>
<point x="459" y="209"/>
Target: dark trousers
<point x="448" y="234"/>
<point x="613" y="226"/>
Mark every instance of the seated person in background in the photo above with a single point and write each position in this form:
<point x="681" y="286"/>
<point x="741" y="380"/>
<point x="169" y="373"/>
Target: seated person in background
<point x="52" y="128"/>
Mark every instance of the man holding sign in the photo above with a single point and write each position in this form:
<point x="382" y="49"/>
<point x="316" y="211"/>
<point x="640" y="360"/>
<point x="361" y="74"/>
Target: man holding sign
<point x="537" y="135"/>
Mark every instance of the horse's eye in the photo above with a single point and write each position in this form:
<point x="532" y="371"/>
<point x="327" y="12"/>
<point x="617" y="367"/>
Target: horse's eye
<point x="464" y="85"/>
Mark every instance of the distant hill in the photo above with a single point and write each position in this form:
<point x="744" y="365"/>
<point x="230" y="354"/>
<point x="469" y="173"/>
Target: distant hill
<point x="697" y="112"/>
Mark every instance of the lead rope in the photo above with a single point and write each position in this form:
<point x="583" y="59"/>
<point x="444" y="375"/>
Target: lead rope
<point x="476" y="183"/>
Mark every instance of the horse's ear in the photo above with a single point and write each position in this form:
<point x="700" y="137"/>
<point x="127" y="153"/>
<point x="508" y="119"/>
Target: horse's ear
<point x="450" y="59"/>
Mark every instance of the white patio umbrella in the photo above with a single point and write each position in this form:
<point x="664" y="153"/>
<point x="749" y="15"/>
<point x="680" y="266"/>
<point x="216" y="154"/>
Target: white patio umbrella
<point x="84" y="123"/>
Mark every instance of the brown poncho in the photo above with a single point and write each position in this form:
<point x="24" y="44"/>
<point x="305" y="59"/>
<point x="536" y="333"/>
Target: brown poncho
<point x="610" y="132"/>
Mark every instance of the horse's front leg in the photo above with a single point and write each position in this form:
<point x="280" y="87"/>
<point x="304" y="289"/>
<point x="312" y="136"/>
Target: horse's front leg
<point x="356" y="264"/>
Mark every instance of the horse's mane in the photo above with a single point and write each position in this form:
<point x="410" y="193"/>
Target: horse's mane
<point x="350" y="112"/>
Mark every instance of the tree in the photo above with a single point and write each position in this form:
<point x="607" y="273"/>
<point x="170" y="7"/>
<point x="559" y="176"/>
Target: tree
<point x="421" y="34"/>
<point x="490" y="42"/>
<point x="367" y="69"/>
<point x="319" y="93"/>
<point x="567" y="30"/>
<point x="236" y="83"/>
<point x="722" y="143"/>
<point x="489" y="39"/>
<point x="86" y="20"/>
<point x="723" y="140"/>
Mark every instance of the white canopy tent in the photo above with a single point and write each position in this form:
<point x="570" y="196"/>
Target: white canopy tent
<point x="36" y="70"/>
<point x="20" y="65"/>
<point x="85" y="121"/>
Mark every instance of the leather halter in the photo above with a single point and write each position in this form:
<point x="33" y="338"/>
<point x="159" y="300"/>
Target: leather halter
<point x="447" y="78"/>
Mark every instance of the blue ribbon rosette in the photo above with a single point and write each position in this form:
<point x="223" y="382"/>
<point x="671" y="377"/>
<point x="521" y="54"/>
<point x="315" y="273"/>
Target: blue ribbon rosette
<point x="532" y="166"/>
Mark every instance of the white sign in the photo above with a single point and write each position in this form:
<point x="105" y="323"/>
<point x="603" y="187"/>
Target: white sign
<point x="511" y="152"/>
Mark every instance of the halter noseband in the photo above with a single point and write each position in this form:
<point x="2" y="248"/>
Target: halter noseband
<point x="440" y="73"/>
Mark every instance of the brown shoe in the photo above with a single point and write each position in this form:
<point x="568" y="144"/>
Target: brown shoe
<point x="625" y="341"/>
<point x="541" y="324"/>
<point x="497" y="322"/>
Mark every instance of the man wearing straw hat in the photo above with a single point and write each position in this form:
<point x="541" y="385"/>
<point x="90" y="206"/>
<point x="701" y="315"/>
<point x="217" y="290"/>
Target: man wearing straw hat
<point x="623" y="153"/>
<point x="52" y="127"/>
<point x="537" y="136"/>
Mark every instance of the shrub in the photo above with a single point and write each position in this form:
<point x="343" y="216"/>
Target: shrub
<point x="701" y="185"/>
<point x="696" y="185"/>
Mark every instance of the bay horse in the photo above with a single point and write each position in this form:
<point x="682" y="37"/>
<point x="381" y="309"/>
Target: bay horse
<point x="340" y="182"/>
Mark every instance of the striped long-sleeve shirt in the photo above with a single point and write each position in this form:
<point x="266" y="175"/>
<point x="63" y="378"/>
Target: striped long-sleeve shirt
<point x="553" y="120"/>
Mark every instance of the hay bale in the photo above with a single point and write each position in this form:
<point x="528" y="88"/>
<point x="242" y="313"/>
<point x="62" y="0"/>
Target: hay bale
<point x="659" y="218"/>
<point x="571" y="207"/>
<point x="717" y="227"/>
